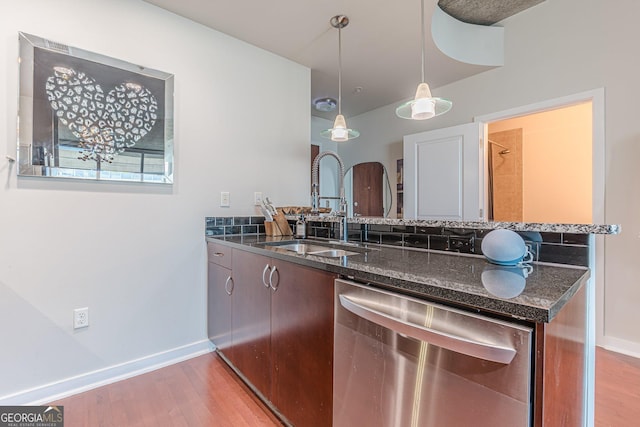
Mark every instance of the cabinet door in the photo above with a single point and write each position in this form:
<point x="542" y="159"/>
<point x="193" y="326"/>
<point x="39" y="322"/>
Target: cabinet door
<point x="219" y="303"/>
<point x="251" y="320"/>
<point x="442" y="174"/>
<point x="302" y="344"/>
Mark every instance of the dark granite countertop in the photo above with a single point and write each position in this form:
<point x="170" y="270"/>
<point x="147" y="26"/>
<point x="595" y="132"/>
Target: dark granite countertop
<point x="462" y="280"/>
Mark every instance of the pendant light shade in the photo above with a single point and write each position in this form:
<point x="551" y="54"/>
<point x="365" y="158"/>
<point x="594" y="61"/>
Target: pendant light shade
<point x="423" y="106"/>
<point x="340" y="132"/>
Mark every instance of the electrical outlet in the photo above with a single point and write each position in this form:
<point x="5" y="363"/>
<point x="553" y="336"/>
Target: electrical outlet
<point x="80" y="318"/>
<point x="257" y="198"/>
<point x="225" y="199"/>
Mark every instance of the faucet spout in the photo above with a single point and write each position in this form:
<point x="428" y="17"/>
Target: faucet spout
<point x="315" y="196"/>
<point x="314" y="181"/>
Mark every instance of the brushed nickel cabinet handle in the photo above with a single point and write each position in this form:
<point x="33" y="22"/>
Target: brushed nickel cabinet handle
<point x="264" y="272"/>
<point x="218" y="254"/>
<point x="274" y="287"/>
<point x="228" y="290"/>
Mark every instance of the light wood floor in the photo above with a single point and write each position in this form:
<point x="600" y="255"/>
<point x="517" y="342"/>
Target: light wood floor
<point x="204" y="392"/>
<point x="199" y="392"/>
<point x="617" y="390"/>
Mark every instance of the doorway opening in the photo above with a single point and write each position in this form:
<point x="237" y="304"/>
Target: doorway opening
<point x="593" y="99"/>
<point x="539" y="166"/>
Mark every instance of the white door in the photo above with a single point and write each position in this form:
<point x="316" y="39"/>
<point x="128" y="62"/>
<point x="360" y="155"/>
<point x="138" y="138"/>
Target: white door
<point x="443" y="174"/>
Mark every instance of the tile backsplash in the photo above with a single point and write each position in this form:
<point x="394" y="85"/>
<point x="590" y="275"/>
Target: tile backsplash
<point x="228" y="225"/>
<point x="561" y="248"/>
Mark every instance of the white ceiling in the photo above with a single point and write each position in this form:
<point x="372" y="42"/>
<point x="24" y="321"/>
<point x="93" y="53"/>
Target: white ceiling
<point x="380" y="46"/>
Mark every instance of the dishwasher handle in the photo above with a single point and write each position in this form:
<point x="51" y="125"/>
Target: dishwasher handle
<point x="470" y="347"/>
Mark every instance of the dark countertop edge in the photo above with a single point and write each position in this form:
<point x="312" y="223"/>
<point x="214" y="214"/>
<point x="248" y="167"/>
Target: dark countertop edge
<point x="582" y="281"/>
<point x="482" y="225"/>
<point x="496" y="306"/>
<point x="440" y="294"/>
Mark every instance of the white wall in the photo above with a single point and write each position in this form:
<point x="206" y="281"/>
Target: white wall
<point x="554" y="49"/>
<point x="135" y="253"/>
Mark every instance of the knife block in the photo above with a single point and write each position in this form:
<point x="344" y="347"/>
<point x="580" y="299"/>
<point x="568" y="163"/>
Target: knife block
<point x="278" y="227"/>
<point x="270" y="229"/>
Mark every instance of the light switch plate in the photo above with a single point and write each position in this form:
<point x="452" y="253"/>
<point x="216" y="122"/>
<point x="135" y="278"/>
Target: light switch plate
<point x="225" y="199"/>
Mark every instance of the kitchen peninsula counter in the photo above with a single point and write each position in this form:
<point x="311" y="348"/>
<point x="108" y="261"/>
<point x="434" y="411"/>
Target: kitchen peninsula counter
<point x="477" y="225"/>
<point x="448" y="277"/>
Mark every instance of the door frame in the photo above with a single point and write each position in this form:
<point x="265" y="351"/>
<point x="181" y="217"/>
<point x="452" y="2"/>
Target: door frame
<point x="595" y="292"/>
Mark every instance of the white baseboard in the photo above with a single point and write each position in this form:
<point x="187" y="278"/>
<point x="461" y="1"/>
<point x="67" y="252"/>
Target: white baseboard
<point x="618" y="345"/>
<point x="90" y="380"/>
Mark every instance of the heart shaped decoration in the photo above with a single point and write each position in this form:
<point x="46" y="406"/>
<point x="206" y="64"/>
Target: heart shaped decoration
<point x="105" y="125"/>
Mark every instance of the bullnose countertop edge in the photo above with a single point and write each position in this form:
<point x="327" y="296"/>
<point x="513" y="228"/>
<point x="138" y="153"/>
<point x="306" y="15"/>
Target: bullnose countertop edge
<point x="606" y="229"/>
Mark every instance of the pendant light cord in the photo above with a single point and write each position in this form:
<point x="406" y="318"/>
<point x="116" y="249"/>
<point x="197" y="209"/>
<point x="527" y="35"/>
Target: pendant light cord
<point x="340" y="132"/>
<point x="424" y="105"/>
<point x="340" y="69"/>
<point x="423" y="37"/>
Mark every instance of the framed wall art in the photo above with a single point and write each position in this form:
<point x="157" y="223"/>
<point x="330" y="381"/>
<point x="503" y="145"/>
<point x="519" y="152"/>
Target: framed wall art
<point x="88" y="116"/>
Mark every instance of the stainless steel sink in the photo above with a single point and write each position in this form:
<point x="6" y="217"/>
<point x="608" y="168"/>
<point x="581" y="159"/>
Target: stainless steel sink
<point x="333" y="253"/>
<point x="304" y="248"/>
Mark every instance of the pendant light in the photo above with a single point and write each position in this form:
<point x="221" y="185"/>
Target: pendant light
<point x="423" y="106"/>
<point x="340" y="132"/>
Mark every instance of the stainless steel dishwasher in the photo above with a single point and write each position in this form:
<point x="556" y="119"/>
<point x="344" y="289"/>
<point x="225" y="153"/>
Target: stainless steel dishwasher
<point x="401" y="361"/>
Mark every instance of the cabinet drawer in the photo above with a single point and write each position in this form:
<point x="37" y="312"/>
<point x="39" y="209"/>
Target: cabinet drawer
<point x="219" y="254"/>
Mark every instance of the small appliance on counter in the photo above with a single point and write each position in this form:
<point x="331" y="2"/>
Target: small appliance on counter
<point x="301" y="228"/>
<point x="506" y="247"/>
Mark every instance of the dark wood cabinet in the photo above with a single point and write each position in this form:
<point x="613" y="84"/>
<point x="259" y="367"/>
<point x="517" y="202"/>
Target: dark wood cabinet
<point x="219" y="297"/>
<point x="276" y="329"/>
<point x="302" y="344"/>
<point x="252" y="320"/>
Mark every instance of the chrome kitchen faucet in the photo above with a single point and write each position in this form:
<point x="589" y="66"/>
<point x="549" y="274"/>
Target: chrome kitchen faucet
<point x="315" y="196"/>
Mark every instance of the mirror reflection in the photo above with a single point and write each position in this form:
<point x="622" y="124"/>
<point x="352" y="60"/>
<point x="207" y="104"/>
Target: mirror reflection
<point x="368" y="190"/>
